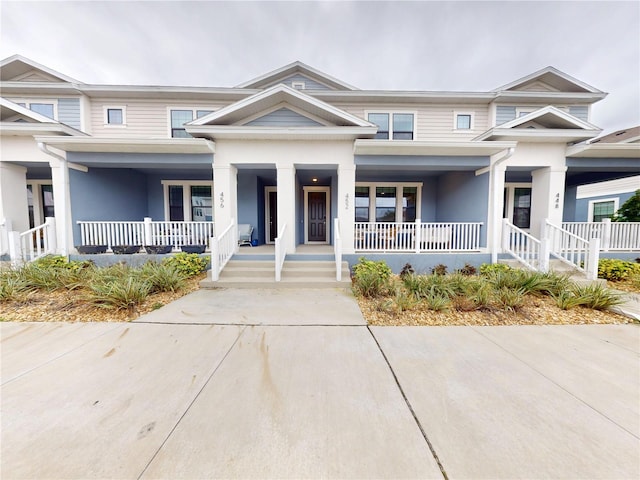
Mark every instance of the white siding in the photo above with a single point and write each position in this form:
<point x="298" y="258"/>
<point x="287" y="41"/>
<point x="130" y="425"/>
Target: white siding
<point x="145" y="118"/>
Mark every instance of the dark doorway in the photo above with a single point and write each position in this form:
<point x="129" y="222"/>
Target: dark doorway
<point x="317" y="216"/>
<point x="273" y="216"/>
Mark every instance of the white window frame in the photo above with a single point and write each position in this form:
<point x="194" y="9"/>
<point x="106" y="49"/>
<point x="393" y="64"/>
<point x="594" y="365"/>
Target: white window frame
<point x="38" y="207"/>
<point x="194" y="111"/>
<point x="105" y="110"/>
<point x="186" y="196"/>
<point x="390" y="113"/>
<point x="28" y="103"/>
<point x="592" y="203"/>
<point x="399" y="186"/>
<point x="471" y="128"/>
<point x="511" y="198"/>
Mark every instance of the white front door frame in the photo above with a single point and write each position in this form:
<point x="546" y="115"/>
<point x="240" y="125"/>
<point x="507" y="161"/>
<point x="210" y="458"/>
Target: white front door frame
<point x="327" y="191"/>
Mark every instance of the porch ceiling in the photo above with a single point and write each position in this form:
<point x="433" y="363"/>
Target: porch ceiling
<point x="421" y="148"/>
<point x="130" y="145"/>
<point x="422" y="164"/>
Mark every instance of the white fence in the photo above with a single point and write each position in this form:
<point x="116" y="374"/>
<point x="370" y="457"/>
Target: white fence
<point x="417" y="236"/>
<point x="39" y="241"/>
<point x="620" y="236"/>
<point x="581" y="254"/>
<point x="146" y="232"/>
<point x="222" y="249"/>
<point x="527" y="249"/>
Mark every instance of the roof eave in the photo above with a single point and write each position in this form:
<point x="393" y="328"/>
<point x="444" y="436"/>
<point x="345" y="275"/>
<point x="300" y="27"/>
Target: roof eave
<point x="412" y="147"/>
<point x="294" y="133"/>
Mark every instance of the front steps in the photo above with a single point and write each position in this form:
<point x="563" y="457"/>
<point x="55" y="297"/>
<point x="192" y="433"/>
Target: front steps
<point x="295" y="274"/>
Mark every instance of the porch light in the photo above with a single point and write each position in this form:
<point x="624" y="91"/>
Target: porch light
<point x="314" y="179"/>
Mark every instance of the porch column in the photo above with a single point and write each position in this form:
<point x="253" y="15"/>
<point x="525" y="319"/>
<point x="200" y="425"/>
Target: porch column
<point x="225" y="196"/>
<point x="62" y="205"/>
<point x="547" y="197"/>
<point x="346" y="205"/>
<point x="286" y="179"/>
<point x="496" y="208"/>
<point x="13" y="196"/>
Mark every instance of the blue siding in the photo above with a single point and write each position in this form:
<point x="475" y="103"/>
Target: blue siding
<point x="283" y="118"/>
<point x="132" y="160"/>
<point x="434" y="162"/>
<point x="107" y="194"/>
<point x="569" y="212"/>
<point x="581" y="112"/>
<point x="422" y="262"/>
<point x="309" y="84"/>
<point x="69" y="111"/>
<point x="505" y="114"/>
<point x="248" y="200"/>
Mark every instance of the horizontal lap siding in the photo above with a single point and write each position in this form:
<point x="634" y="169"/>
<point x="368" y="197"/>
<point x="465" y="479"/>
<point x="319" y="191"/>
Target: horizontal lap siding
<point x="69" y="111"/>
<point x="434" y="122"/>
<point x="283" y="118"/>
<point x="144" y="117"/>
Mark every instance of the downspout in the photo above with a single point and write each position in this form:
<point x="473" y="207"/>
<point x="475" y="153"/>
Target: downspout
<point x="495" y="240"/>
<point x="62" y="229"/>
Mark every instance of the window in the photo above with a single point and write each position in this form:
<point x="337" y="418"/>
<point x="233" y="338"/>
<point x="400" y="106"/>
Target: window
<point x="385" y="204"/>
<point x="188" y="200"/>
<point x="45" y="109"/>
<point x="409" y="202"/>
<point x="114" y="116"/>
<point x="402" y="124"/>
<point x="181" y="116"/>
<point x="463" y="122"/>
<point x="39" y="201"/>
<point x="522" y="207"/>
<point x="362" y="204"/>
<point x="601" y="209"/>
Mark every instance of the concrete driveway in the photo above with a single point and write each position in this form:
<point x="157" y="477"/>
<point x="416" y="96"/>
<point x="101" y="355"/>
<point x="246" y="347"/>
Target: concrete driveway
<point x="207" y="393"/>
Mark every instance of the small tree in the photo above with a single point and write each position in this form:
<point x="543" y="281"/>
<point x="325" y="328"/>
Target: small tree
<point x="629" y="211"/>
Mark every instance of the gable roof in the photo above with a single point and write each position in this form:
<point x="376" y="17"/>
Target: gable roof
<point x="545" y="124"/>
<point x="10" y="109"/>
<point x="36" y="123"/>
<point x="276" y="76"/>
<point x="552" y="77"/>
<point x="277" y="95"/>
<point x="626" y="135"/>
<point x="17" y="67"/>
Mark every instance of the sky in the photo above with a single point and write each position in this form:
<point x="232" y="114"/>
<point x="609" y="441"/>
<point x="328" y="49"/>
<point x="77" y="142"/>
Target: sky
<point x="419" y="45"/>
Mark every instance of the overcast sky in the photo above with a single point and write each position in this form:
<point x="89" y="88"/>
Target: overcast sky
<point x="457" y="46"/>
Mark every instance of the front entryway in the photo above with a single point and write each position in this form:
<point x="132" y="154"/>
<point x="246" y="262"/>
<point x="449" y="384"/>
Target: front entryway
<point x="316" y="208"/>
<point x="271" y="214"/>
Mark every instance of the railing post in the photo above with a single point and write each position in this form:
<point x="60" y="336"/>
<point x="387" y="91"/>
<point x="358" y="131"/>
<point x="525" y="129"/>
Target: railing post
<point x="50" y="232"/>
<point x="417" y="235"/>
<point x="215" y="259"/>
<point x="545" y="248"/>
<point x="593" y="259"/>
<point x="506" y="235"/>
<point x="15" y="251"/>
<point x="606" y="235"/>
<point x="148" y="232"/>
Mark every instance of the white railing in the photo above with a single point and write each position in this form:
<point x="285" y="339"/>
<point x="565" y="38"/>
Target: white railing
<point x="417" y="236"/>
<point x="281" y="251"/>
<point x="38" y="241"/>
<point x="222" y="249"/>
<point x="147" y="232"/>
<point x="623" y="236"/>
<point x="571" y="249"/>
<point x="5" y="228"/>
<point x="337" y="248"/>
<point x="524" y="247"/>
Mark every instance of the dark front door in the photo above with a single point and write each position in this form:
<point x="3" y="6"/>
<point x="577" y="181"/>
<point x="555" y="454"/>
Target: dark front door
<point x="317" y="220"/>
<point x="273" y="216"/>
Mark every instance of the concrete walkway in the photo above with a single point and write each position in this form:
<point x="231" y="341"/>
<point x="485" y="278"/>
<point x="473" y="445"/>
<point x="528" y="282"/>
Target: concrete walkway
<point x="251" y="384"/>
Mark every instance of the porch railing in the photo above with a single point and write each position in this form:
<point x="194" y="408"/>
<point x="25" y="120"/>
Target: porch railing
<point x="222" y="249"/>
<point x="38" y="241"/>
<point x="281" y="251"/>
<point x="573" y="250"/>
<point x="417" y="236"/>
<point x="622" y="236"/>
<point x="523" y="247"/>
<point x="147" y="232"/>
<point x="337" y="248"/>
<point x="5" y="228"/>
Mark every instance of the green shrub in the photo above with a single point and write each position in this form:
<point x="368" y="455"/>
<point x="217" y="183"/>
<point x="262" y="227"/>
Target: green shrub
<point x="124" y="295"/>
<point x="615" y="270"/>
<point x="400" y="302"/>
<point x="371" y="278"/>
<point x="407" y="270"/>
<point x="468" y="270"/>
<point x="597" y="297"/>
<point x="439" y="269"/>
<point x="161" y="277"/>
<point x="487" y="269"/>
<point x="422" y="286"/>
<point x="510" y="299"/>
<point x="188" y="264"/>
<point x="567" y="299"/>
<point x="437" y="302"/>
<point x="13" y="288"/>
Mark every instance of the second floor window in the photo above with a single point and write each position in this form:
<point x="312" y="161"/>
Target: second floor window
<point x="401" y="123"/>
<point x="42" y="108"/>
<point x="180" y="117"/>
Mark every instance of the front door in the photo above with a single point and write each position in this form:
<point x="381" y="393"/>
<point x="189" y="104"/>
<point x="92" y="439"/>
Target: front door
<point x="317" y="206"/>
<point x="271" y="217"/>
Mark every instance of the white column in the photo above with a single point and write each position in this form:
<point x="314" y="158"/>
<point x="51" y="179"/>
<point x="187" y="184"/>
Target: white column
<point x="496" y="207"/>
<point x="286" y="179"/>
<point x="547" y="197"/>
<point x="62" y="205"/>
<point x="13" y="196"/>
<point x="225" y="196"/>
<point x="346" y="205"/>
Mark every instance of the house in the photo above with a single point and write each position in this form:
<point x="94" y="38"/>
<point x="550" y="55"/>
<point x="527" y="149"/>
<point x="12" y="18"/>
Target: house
<point x="303" y="157"/>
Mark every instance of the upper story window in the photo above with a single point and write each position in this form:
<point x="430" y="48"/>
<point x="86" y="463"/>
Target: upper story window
<point x="463" y="121"/>
<point x="179" y="117"/>
<point x="115" y="116"/>
<point x="402" y="125"/>
<point x="46" y="108"/>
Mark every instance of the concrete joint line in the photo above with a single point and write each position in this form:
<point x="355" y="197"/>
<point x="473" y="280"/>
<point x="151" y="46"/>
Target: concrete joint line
<point x="190" y="404"/>
<point x="59" y="356"/>
<point x="231" y="324"/>
<point x="413" y="413"/>
<point x="554" y="382"/>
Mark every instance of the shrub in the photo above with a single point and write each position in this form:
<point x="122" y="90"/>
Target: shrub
<point x="630" y="210"/>
<point x="437" y="302"/>
<point x="422" y="286"/>
<point x="13" y="288"/>
<point x="400" y="302"/>
<point x="161" y="277"/>
<point x="188" y="264"/>
<point x="567" y="299"/>
<point x="487" y="269"/>
<point x="407" y="270"/>
<point x="119" y="295"/>
<point x="371" y="278"/>
<point x="439" y="269"/>
<point x="468" y="270"/>
<point x="615" y="270"/>
<point x="597" y="297"/>
<point x="510" y="299"/>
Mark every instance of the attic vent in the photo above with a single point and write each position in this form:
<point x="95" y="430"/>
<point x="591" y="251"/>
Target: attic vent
<point x="298" y="85"/>
<point x="621" y="133"/>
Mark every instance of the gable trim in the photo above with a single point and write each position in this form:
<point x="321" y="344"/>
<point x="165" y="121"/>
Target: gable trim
<point x="297" y="66"/>
<point x="25" y="112"/>
<point x="280" y="106"/>
<point x="552" y="110"/>
<point x="543" y="71"/>
<point x="37" y="66"/>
